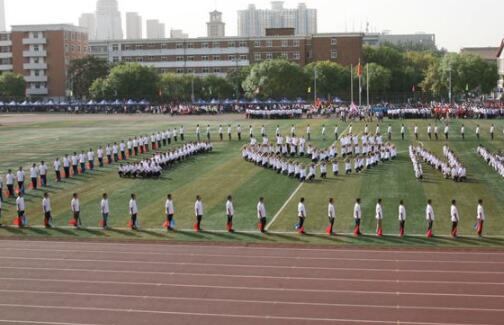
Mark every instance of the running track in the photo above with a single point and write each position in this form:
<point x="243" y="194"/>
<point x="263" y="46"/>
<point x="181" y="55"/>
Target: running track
<point x="75" y="283"/>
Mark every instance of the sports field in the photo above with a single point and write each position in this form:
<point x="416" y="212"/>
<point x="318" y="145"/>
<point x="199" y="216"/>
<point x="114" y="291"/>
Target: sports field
<point x="25" y="139"/>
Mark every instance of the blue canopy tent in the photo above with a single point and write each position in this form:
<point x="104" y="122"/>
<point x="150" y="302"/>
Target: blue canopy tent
<point x="131" y="102"/>
<point x="200" y="102"/>
<point x="300" y="101"/>
<point x="337" y="100"/>
<point x="143" y="102"/>
<point x="379" y="109"/>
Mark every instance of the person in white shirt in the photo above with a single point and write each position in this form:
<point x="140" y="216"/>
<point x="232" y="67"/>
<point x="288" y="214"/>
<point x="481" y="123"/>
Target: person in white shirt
<point x="323" y="132"/>
<point x="436" y="132"/>
<point x="477" y="131"/>
<point x="238" y="132"/>
<point x="221" y="133"/>
<point x="46" y="209"/>
<point x="454" y="218"/>
<point x="357" y="217"/>
<point x="308" y="132"/>
<point x="402" y="218"/>
<point x="57" y="169"/>
<point x="90" y="159"/>
<point x="379" y="218"/>
<point x="492" y="130"/>
<point x="462" y="132"/>
<point x="331" y="214"/>
<point x="105" y="210"/>
<point x="170" y="212"/>
<point x="415" y="131"/>
<point x="43" y="173"/>
<point x="99" y="154"/>
<point x="9" y="182"/>
<point x="389" y="132"/>
<point x="181" y="132"/>
<point x="75" y="206"/>
<point x="403" y="130"/>
<point x="133" y="211"/>
<point x="208" y="132"/>
<point x="446" y="131"/>
<point x="198" y="212"/>
<point x="20" y="208"/>
<point x="229" y="131"/>
<point x="229" y="213"/>
<point x="480" y="218"/>
<point x="429" y="215"/>
<point x="429" y="132"/>
<point x="122" y="148"/>
<point x="301" y="215"/>
<point x="34" y="172"/>
<point x="261" y="215"/>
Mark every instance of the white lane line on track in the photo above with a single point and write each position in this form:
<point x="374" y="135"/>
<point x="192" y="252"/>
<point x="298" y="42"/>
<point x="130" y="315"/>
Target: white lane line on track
<point x="192" y="314"/>
<point x="255" y="288"/>
<point x="240" y="276"/>
<point x="385" y="250"/>
<point x="255" y="266"/>
<point x="295" y="258"/>
<point x="246" y="301"/>
<point x="283" y="206"/>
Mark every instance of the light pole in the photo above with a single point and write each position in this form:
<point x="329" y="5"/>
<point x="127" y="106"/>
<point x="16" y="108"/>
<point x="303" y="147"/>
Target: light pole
<point x="450" y="84"/>
<point x="315" y="76"/>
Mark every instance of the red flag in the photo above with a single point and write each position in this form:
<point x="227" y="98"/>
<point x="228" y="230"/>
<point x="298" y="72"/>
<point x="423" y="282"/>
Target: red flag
<point x="359" y="70"/>
<point x="413" y="89"/>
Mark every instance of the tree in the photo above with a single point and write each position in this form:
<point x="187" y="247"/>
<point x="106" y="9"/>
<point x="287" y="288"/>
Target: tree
<point x="236" y="78"/>
<point x="468" y="73"/>
<point x="129" y="81"/>
<point x="379" y="77"/>
<point x="179" y="87"/>
<point x="216" y="87"/>
<point x="332" y="78"/>
<point x="275" y="79"/>
<point x="83" y="72"/>
<point x="101" y="89"/>
<point x="12" y="86"/>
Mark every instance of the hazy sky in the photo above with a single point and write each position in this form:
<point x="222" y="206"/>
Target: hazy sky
<point x="456" y="23"/>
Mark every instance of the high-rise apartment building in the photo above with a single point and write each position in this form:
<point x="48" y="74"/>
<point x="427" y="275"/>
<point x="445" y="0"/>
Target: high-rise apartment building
<point x="216" y="27"/>
<point x="253" y="22"/>
<point x="3" y="26"/>
<point x="133" y="25"/>
<point x="108" y="20"/>
<point x="88" y="21"/>
<point x="178" y="33"/>
<point x="155" y="29"/>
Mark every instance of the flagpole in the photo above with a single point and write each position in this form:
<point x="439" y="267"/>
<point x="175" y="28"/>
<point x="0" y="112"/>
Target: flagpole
<point x="360" y="85"/>
<point x="351" y="84"/>
<point x="367" y="83"/>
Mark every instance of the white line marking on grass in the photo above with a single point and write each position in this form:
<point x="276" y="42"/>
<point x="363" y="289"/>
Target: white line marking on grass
<point x="284" y="206"/>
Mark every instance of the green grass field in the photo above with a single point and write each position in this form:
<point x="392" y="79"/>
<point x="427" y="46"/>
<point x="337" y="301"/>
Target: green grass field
<point x="25" y="139"/>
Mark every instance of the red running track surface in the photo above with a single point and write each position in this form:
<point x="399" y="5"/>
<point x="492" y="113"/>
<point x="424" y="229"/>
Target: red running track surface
<point x="75" y="283"/>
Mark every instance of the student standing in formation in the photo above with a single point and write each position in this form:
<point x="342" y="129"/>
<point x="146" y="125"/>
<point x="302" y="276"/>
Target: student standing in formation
<point x="436" y="132"/>
<point x="331" y="214"/>
<point x="208" y="132"/>
<point x="99" y="153"/>
<point x="454" y="218"/>
<point x="389" y="132"/>
<point x="480" y="218"/>
<point x="34" y="176"/>
<point x="229" y="214"/>
<point x="379" y="218"/>
<point x="75" y="206"/>
<point x="308" y="132"/>
<point x="229" y="132"/>
<point x="181" y="131"/>
<point x="221" y="134"/>
<point x="251" y="131"/>
<point x="446" y="131"/>
<point x="357" y="217"/>
<point x="477" y="131"/>
<point x="20" y="208"/>
<point x="462" y="132"/>
<point x="9" y="182"/>
<point x="122" y="148"/>
<point x="43" y="173"/>
<point x="20" y="177"/>
<point x="403" y="130"/>
<point x="238" y="132"/>
<point x="66" y="166"/>
<point x="46" y="209"/>
<point x="415" y="131"/>
<point x="133" y="211"/>
<point x="323" y="132"/>
<point x="301" y="216"/>
<point x="90" y="158"/>
<point x="429" y="132"/>
<point x="429" y="215"/>
<point x="263" y="131"/>
<point x="261" y="215"/>
<point x="198" y="212"/>
<point x="170" y="212"/>
<point x="293" y="130"/>
<point x="402" y="218"/>
<point x="75" y="164"/>
<point x="57" y="169"/>
<point x="105" y="210"/>
<point x="198" y="132"/>
<point x="336" y="132"/>
<point x="277" y="131"/>
<point x="115" y="151"/>
<point x="82" y="162"/>
<point x="492" y="130"/>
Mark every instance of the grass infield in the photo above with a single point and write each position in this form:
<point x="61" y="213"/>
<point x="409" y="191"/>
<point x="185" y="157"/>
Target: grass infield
<point x="25" y="139"/>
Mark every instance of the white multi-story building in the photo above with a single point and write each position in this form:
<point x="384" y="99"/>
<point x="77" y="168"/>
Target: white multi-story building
<point x="88" y="21"/>
<point x="178" y="33"/>
<point x="133" y="25"/>
<point x="108" y="20"/>
<point x="155" y="29"/>
<point x="253" y="22"/>
<point x="216" y="27"/>
<point x="500" y="67"/>
<point x="5" y="52"/>
<point x="3" y="26"/>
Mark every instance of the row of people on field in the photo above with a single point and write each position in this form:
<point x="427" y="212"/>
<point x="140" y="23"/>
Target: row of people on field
<point x="494" y="160"/>
<point x="433" y="131"/>
<point x="451" y="169"/>
<point x="169" y="211"/>
<point x="152" y="167"/>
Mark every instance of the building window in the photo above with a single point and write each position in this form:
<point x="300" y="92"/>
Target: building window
<point x="205" y="70"/>
<point x="190" y="58"/>
<point x="36" y="48"/>
<point x="285" y="43"/>
<point x="243" y="57"/>
<point x="190" y="70"/>
<point x="189" y="45"/>
<point x="231" y="44"/>
<point x="257" y="43"/>
<point x="231" y="57"/>
<point x="216" y="57"/>
<point x="284" y="55"/>
<point x="180" y="58"/>
<point x="269" y="56"/>
<point x="269" y="43"/>
<point x="179" y="45"/>
<point x="115" y="59"/>
<point x="296" y="55"/>
<point x="216" y="44"/>
<point x="115" y="47"/>
<point x="334" y="54"/>
<point x="257" y="57"/>
<point x="295" y="42"/>
<point x="216" y="70"/>
<point x="204" y="58"/>
<point x="334" y="41"/>
<point x="204" y="45"/>
<point x="243" y="44"/>
<point x="180" y="70"/>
